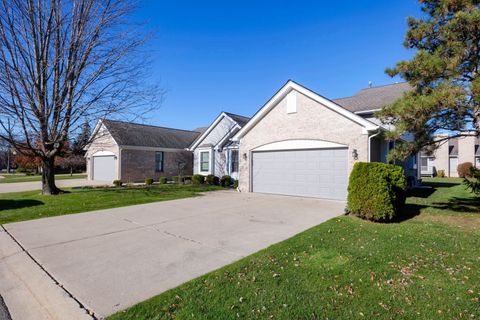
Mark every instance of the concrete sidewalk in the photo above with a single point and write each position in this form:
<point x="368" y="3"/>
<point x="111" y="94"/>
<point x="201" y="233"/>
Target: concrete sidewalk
<point x="111" y="259"/>
<point x="28" y="291"/>
<point x="37" y="185"/>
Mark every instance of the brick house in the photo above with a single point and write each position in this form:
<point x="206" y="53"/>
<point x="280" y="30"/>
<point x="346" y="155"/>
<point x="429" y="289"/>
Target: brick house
<point x="132" y="152"/>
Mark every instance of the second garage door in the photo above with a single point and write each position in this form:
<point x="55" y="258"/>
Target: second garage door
<point x="104" y="168"/>
<point x="320" y="173"/>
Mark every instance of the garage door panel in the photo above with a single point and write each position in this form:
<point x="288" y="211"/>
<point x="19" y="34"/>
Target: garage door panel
<point x="104" y="168"/>
<point x="319" y="173"/>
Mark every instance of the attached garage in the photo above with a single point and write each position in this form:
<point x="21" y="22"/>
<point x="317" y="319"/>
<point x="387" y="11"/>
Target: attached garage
<point x="103" y="168"/>
<point x="319" y="173"/>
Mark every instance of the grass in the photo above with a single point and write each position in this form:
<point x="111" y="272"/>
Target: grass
<point x="426" y="267"/>
<point x="20" y="206"/>
<point x="12" y="178"/>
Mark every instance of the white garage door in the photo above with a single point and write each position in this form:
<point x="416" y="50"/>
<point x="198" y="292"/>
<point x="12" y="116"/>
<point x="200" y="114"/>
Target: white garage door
<point x="104" y="168"/>
<point x="321" y="173"/>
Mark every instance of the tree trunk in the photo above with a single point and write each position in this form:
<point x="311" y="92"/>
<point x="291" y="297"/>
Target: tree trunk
<point x="48" y="177"/>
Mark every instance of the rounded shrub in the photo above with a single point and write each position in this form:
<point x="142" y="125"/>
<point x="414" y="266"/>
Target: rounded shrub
<point x="376" y="191"/>
<point x="198" y="179"/>
<point x="235" y="184"/>
<point x="226" y="181"/>
<point x="463" y="170"/>
<point x="148" y="181"/>
<point x="117" y="183"/>
<point x="162" y="180"/>
<point x="441" y="173"/>
<point x="212" y="180"/>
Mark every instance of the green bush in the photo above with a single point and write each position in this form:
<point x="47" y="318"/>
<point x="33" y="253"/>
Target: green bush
<point x="212" y="180"/>
<point x="182" y="179"/>
<point x="117" y="183"/>
<point x="162" y="180"/>
<point x="235" y="184"/>
<point x="463" y="170"/>
<point x="148" y="181"/>
<point x="198" y="179"/>
<point x="376" y="191"/>
<point x="226" y="181"/>
<point x="441" y="173"/>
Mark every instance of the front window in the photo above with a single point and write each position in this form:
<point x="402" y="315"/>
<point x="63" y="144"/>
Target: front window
<point x="477" y="162"/>
<point x="204" y="161"/>
<point x="159" y="161"/>
<point x="424" y="163"/>
<point x="234" y="160"/>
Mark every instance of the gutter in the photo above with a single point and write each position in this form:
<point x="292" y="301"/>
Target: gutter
<point x="370" y="143"/>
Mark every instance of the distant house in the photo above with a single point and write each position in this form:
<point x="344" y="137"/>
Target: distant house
<point x="132" y="152"/>
<point x="449" y="154"/>
<point x="213" y="151"/>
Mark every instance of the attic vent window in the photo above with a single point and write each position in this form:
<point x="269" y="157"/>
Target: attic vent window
<point x="292" y="102"/>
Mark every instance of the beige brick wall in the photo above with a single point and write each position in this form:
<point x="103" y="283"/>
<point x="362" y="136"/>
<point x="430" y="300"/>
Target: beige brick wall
<point x="140" y="164"/>
<point x="311" y="121"/>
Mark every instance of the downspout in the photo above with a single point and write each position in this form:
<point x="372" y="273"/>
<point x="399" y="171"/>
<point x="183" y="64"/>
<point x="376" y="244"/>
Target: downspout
<point x="370" y="144"/>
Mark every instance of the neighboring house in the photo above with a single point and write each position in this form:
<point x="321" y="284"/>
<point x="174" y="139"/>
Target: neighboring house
<point x="132" y="152"/>
<point x="449" y="154"/>
<point x="302" y="144"/>
<point x="213" y="151"/>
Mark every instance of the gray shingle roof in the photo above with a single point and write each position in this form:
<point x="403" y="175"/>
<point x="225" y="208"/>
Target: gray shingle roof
<point x="374" y="98"/>
<point x="241" y="120"/>
<point x="141" y="135"/>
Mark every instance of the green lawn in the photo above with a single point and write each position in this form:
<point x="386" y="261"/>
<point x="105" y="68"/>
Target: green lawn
<point x="12" y="178"/>
<point x="426" y="267"/>
<point x="20" y="206"/>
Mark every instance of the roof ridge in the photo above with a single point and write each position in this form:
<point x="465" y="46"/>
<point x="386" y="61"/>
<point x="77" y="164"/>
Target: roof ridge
<point x="150" y="125"/>
<point x="385" y="85"/>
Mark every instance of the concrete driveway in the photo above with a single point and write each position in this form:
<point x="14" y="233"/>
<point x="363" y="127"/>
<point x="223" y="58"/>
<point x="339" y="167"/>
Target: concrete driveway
<point x="111" y="259"/>
<point x="37" y="185"/>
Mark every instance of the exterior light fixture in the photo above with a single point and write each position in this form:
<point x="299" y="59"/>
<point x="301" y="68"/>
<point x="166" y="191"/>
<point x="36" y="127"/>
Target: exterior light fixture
<point x="244" y="156"/>
<point x="355" y="154"/>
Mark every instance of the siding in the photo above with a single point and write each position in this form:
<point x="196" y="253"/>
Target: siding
<point x="218" y="161"/>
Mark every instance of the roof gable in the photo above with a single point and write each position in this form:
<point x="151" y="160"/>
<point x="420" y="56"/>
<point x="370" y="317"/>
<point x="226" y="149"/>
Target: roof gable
<point x="140" y="135"/>
<point x="236" y="123"/>
<point x="293" y="86"/>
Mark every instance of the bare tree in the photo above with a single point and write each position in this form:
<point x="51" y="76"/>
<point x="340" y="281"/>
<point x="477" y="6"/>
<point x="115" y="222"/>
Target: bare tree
<point x="61" y="62"/>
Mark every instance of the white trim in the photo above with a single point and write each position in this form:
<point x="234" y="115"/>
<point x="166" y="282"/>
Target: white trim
<point x="210" y="128"/>
<point x="367" y="111"/>
<point x="209" y="161"/>
<point x="299" y="145"/>
<point x="227" y="136"/>
<point x="287" y="88"/>
<point x="103" y="154"/>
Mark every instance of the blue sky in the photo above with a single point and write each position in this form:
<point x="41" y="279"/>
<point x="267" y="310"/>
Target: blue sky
<point x="214" y="56"/>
